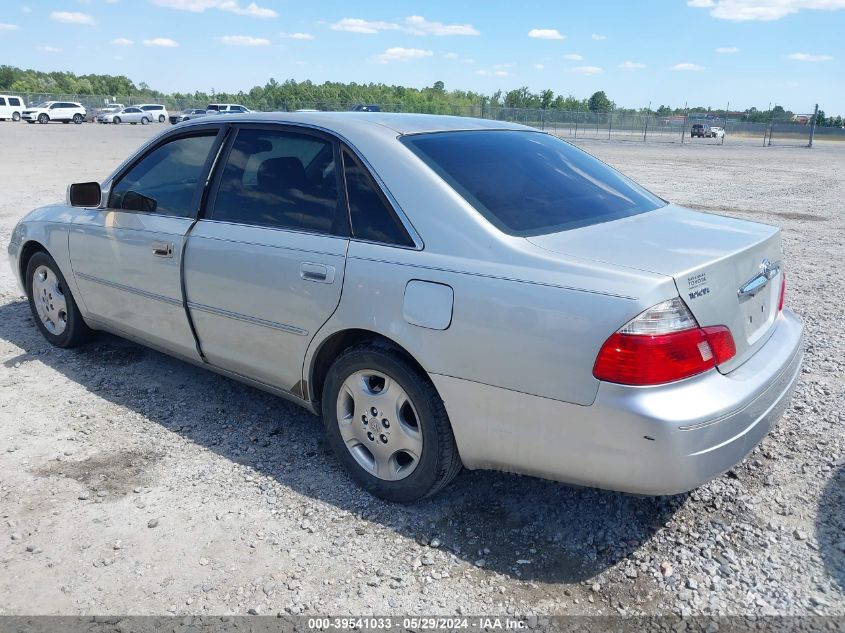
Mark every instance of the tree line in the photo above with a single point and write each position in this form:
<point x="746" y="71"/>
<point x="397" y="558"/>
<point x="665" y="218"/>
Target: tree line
<point x="290" y="95"/>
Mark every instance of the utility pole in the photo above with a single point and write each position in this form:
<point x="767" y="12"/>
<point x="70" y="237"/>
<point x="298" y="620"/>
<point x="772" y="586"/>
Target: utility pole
<point x="772" y="125"/>
<point x="725" y="128"/>
<point x="648" y="114"/>
<point x="684" y="124"/>
<point x="813" y="128"/>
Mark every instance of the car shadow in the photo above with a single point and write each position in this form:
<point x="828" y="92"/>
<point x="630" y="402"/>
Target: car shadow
<point x="830" y="526"/>
<point x="521" y="527"/>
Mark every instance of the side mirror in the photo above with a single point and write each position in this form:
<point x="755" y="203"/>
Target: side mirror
<point x="84" y="194"/>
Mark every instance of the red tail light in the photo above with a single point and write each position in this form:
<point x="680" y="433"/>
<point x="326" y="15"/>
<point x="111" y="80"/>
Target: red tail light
<point x="782" y="291"/>
<point x="654" y="357"/>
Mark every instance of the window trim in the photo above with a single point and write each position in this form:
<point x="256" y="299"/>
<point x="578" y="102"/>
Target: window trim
<point x="380" y="193"/>
<point x="219" y="135"/>
<point x="207" y="211"/>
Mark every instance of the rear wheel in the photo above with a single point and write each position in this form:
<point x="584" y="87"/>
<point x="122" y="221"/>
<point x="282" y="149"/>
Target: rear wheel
<point x="161" y="118"/>
<point x="388" y="425"/>
<point x="52" y="304"/>
<point x="43" y="118"/>
<point x="16" y="116"/>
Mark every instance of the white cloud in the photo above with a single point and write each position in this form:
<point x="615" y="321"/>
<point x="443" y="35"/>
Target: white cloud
<point x="763" y="10"/>
<point x="122" y="41"/>
<point x="575" y="57"/>
<point x="163" y="42"/>
<point x="71" y="17"/>
<point x="726" y="50"/>
<point x="244" y="40"/>
<point x="629" y="65"/>
<point x="298" y="36"/>
<point x="588" y="70"/>
<point x="49" y="49"/>
<point x="687" y="66"/>
<point x="399" y="54"/>
<point x="25" y="9"/>
<point x="415" y="25"/>
<point x="8" y="27"/>
<point x="539" y="66"/>
<point x="809" y="57"/>
<point x="598" y="37"/>
<point x="232" y="6"/>
<point x="492" y="73"/>
<point x="546" y="34"/>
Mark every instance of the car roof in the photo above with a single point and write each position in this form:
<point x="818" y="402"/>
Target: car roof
<point x="351" y="122"/>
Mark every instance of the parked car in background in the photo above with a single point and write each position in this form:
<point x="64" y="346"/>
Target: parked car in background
<point x="717" y="132"/>
<point x="132" y="114"/>
<point x="417" y="281"/>
<point x="187" y="115"/>
<point x="227" y="108"/>
<point x="155" y="111"/>
<point x="64" y="111"/>
<point x="362" y="107"/>
<point x="111" y="108"/>
<point x="11" y="107"/>
<point x="699" y="130"/>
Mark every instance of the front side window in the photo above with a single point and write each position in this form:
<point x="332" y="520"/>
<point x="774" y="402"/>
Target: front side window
<point x="530" y="183"/>
<point x="281" y="179"/>
<point x="166" y="180"/>
<point x="373" y="219"/>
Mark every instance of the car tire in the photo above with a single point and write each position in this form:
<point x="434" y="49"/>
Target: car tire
<point x="145" y="120"/>
<point x="425" y="458"/>
<point x="116" y="120"/>
<point x="43" y="118"/>
<point x="78" y="118"/>
<point x="161" y="118"/>
<point x="16" y="116"/>
<point x="52" y="305"/>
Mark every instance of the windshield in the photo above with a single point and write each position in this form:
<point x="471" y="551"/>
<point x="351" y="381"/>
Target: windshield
<point x="43" y="104"/>
<point x="530" y="183"/>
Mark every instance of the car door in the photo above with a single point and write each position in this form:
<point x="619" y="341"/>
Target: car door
<point x="264" y="266"/>
<point x="126" y="256"/>
<point x="134" y="115"/>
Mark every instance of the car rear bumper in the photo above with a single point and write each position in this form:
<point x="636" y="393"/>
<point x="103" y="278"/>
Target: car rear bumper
<point x="644" y="440"/>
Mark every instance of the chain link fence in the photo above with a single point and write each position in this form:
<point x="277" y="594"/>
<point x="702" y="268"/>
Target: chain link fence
<point x="609" y="126"/>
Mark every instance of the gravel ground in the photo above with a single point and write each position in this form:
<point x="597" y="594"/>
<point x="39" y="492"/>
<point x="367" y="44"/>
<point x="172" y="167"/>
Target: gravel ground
<point x="131" y="483"/>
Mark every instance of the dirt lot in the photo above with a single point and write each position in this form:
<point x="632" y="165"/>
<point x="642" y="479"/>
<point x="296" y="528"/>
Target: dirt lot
<point x="131" y="483"/>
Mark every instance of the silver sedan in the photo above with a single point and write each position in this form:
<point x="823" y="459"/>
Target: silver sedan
<point x="446" y="292"/>
<point x="126" y="115"/>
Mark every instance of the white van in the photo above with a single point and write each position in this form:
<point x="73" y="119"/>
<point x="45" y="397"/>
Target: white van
<point x="157" y="112"/>
<point x="227" y="108"/>
<point x="11" y="107"/>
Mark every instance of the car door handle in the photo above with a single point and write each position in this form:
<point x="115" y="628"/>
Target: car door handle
<point x="163" y="249"/>
<point x="320" y="273"/>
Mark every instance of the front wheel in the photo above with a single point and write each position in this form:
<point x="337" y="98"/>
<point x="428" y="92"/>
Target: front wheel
<point x="52" y="305"/>
<point x="43" y="118"/>
<point x="116" y="120"/>
<point x="387" y="424"/>
<point x="77" y="118"/>
<point x="144" y="121"/>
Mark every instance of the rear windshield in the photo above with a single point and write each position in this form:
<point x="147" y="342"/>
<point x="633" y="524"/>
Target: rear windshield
<point x="530" y="183"/>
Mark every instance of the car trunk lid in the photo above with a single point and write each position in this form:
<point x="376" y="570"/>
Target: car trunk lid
<point x="710" y="257"/>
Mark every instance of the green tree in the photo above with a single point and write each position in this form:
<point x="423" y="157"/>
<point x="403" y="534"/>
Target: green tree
<point x="599" y="102"/>
<point x="546" y="98"/>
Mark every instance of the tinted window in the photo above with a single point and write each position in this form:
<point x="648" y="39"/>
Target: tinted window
<point x="372" y="217"/>
<point x="280" y="179"/>
<point x="3" y="101"/>
<point x="14" y="101"/>
<point x="166" y="179"/>
<point x="530" y="183"/>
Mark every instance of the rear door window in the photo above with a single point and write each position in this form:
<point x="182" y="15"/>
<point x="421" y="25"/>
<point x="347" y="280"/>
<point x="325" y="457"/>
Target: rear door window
<point x="530" y="183"/>
<point x="14" y="101"/>
<point x="281" y="179"/>
<point x="373" y="218"/>
<point x="166" y="180"/>
<point x="3" y="101"/>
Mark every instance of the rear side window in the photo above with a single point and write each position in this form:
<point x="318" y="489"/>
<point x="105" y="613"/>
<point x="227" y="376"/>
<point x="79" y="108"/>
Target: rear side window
<point x="372" y="217"/>
<point x="3" y="102"/>
<point x="166" y="180"/>
<point x="281" y="179"/>
<point x="530" y="183"/>
<point x="14" y="101"/>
